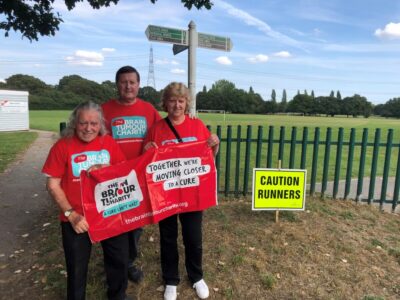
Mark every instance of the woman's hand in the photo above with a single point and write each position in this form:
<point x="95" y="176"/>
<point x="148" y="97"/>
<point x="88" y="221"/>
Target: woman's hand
<point x="78" y="222"/>
<point x="96" y="167"/>
<point x="149" y="145"/>
<point x="213" y="142"/>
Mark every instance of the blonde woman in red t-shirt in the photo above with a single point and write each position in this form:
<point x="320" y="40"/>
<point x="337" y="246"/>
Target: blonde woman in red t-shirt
<point x="181" y="128"/>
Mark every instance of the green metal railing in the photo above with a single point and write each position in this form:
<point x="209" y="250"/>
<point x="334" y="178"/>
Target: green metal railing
<point x="341" y="165"/>
<point x="354" y="155"/>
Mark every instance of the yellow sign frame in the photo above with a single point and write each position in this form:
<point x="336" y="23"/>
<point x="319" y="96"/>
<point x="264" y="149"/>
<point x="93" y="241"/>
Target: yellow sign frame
<point x="279" y="189"/>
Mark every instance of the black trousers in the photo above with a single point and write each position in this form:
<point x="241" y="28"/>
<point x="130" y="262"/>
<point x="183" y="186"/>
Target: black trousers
<point x="134" y="237"/>
<point x="77" y="248"/>
<point x="191" y="223"/>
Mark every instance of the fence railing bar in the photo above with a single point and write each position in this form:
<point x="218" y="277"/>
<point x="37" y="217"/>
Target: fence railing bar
<point x="237" y="164"/>
<point x="326" y="161"/>
<point x="259" y="146"/>
<point x="228" y="159"/>
<point x="396" y="183"/>
<point x="386" y="166"/>
<point x="292" y="152"/>
<point x="247" y="162"/>
<point x="314" y="161"/>
<point x="304" y="148"/>
<point x="374" y="164"/>
<point x="270" y="146"/>
<point x="338" y="163"/>
<point x="349" y="168"/>
<point x="363" y="155"/>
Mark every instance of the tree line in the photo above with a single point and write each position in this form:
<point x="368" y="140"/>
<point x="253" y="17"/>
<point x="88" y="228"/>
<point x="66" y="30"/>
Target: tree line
<point x="223" y="95"/>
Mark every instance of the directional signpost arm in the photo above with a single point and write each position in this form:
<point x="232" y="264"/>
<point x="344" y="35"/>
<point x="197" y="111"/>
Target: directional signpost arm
<point x="188" y="39"/>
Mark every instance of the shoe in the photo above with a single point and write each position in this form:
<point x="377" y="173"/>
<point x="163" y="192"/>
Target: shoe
<point x="201" y="289"/>
<point x="170" y="292"/>
<point x="135" y="274"/>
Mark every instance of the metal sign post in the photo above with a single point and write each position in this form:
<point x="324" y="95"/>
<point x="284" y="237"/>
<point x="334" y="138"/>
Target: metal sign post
<point x="188" y="39"/>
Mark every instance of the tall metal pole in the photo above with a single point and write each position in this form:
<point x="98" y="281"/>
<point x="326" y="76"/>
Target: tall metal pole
<point x="192" y="65"/>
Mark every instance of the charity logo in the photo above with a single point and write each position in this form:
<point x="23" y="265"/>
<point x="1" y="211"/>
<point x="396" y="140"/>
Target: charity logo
<point x="175" y="141"/>
<point x="178" y="172"/>
<point x="129" y="127"/>
<point x="118" y="194"/>
<point x="83" y="161"/>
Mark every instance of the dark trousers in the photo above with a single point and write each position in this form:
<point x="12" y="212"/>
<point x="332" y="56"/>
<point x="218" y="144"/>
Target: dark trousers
<point x="77" y="248"/>
<point x="191" y="223"/>
<point x="134" y="237"/>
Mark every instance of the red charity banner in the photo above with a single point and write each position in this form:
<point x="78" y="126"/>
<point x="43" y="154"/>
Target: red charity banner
<point x="160" y="183"/>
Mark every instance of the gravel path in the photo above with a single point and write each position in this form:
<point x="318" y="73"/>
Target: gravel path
<point x="23" y="194"/>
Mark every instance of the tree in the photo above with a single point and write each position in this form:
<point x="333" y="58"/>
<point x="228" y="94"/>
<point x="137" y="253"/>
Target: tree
<point x="273" y="96"/>
<point x="86" y="89"/>
<point x="28" y="83"/>
<point x="338" y="95"/>
<point x="283" y="104"/>
<point x="312" y="94"/>
<point x="302" y="104"/>
<point x="284" y="96"/>
<point x="149" y="94"/>
<point x="37" y="17"/>
<point x="357" y="105"/>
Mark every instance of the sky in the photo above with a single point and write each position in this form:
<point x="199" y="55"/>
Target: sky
<point x="306" y="45"/>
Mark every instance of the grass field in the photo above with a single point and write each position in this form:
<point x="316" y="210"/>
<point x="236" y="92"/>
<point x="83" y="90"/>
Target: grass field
<point x="333" y="250"/>
<point x="13" y="143"/>
<point x="50" y="120"/>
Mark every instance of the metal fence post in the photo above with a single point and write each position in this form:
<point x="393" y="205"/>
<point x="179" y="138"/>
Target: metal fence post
<point x="326" y="161"/>
<point x="338" y="162"/>
<point x="374" y="165"/>
<point x="314" y="161"/>
<point x="386" y="167"/>
<point x="349" y="163"/>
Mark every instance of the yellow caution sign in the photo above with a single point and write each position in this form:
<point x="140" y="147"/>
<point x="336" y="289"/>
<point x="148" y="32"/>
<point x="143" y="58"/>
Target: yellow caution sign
<point x="279" y="189"/>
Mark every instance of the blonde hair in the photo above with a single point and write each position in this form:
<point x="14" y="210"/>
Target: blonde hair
<point x="176" y="89"/>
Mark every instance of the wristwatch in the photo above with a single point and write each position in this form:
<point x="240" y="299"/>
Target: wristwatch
<point x="68" y="212"/>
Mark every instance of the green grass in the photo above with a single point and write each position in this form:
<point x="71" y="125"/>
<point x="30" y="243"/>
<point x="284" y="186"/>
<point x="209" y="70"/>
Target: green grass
<point x="50" y="120"/>
<point x="13" y="143"/>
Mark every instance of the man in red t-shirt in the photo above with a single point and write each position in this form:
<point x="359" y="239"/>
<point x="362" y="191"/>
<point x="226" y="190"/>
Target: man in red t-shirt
<point x="128" y="119"/>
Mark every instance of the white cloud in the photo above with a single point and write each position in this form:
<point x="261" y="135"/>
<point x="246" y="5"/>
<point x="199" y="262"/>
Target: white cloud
<point x="86" y="58"/>
<point x="174" y="62"/>
<point x="2" y="80"/>
<point x="107" y="50"/>
<point x="223" y="60"/>
<point x="178" y="71"/>
<point x="282" y="54"/>
<point x="259" y="58"/>
<point x="391" y="31"/>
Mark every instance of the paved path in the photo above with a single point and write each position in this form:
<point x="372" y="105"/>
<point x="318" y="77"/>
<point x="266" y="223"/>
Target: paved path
<point x="365" y="191"/>
<point x="23" y="193"/>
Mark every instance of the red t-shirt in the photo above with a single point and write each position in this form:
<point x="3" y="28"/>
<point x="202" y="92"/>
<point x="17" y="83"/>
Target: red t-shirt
<point x="69" y="156"/>
<point x="128" y="124"/>
<point x="190" y="130"/>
